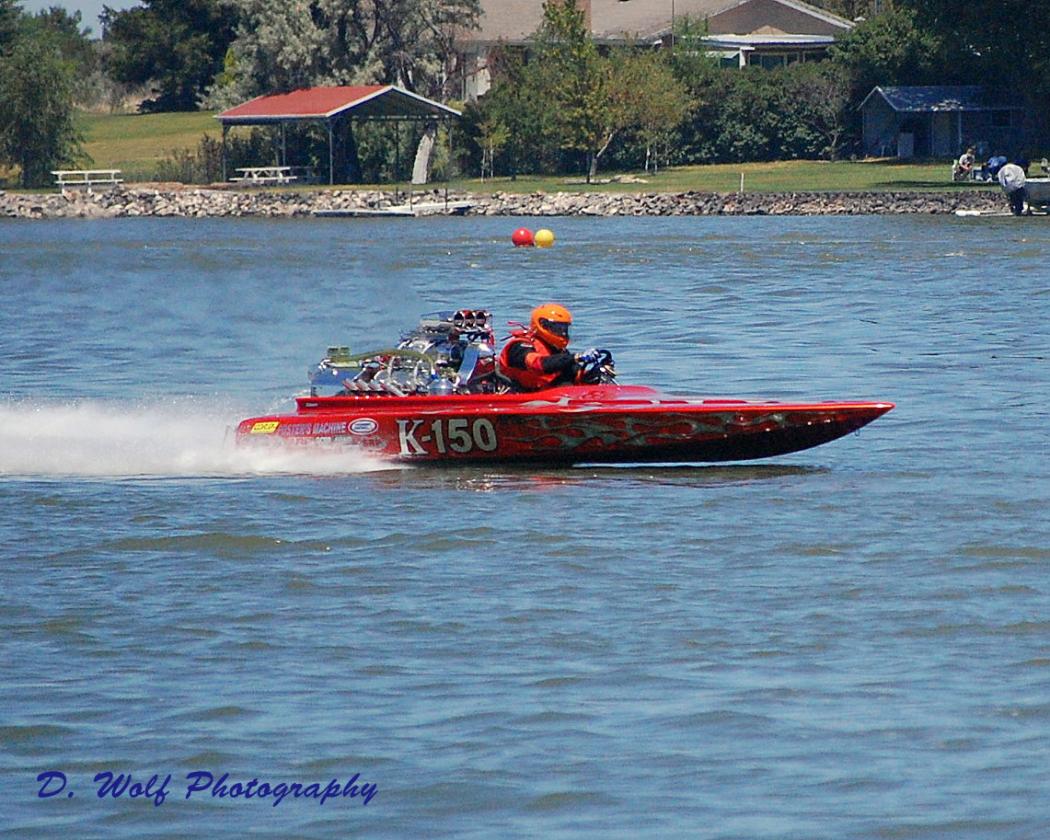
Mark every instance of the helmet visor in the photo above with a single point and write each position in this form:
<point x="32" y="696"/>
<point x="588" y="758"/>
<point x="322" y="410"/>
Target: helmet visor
<point x="558" y="328"/>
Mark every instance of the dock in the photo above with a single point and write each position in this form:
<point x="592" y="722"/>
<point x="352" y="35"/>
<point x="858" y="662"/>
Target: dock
<point x="428" y="208"/>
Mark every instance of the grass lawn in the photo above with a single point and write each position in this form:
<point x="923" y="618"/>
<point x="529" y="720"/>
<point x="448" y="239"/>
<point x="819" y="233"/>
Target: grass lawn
<point x="781" y="176"/>
<point x="134" y="143"/>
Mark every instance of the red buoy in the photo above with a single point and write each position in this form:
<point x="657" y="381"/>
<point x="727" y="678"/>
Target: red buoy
<point x="522" y="238"/>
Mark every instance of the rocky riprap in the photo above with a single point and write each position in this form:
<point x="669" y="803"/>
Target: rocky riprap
<point x="173" y="200"/>
<point x="734" y="204"/>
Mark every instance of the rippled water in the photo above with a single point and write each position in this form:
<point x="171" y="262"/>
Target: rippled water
<point x="852" y="641"/>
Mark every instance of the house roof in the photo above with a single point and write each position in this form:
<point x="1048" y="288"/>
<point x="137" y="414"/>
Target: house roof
<point x="738" y="41"/>
<point x="514" y="21"/>
<point x="321" y="103"/>
<point x="925" y="98"/>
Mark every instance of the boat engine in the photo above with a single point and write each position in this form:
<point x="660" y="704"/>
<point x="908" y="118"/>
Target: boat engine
<point x="445" y="336"/>
<point x="447" y="352"/>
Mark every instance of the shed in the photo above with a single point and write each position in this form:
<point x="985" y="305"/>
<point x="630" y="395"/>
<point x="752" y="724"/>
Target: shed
<point x="333" y="106"/>
<point x="939" y="120"/>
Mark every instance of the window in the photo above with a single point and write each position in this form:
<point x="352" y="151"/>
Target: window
<point x="768" y="60"/>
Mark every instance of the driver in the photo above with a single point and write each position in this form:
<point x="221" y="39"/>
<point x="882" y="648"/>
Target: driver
<point x="537" y="358"/>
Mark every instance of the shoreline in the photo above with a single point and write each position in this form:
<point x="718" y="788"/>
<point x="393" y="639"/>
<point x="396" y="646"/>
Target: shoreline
<point x="187" y="202"/>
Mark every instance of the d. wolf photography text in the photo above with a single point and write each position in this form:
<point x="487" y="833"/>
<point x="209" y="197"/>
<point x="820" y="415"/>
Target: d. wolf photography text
<point x="203" y="783"/>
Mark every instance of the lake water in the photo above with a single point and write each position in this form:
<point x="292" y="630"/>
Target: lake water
<point x="852" y="641"/>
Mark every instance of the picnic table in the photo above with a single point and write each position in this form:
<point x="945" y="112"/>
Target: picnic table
<point x="86" y="177"/>
<point x="262" y="175"/>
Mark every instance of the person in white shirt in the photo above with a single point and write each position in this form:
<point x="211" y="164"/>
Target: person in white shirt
<point x="1012" y="178"/>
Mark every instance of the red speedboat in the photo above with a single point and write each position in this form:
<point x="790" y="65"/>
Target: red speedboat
<point x="437" y="397"/>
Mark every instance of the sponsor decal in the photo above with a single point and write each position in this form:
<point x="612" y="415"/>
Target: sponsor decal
<point x="363" y="426"/>
<point x="264" y="427"/>
<point x="330" y="428"/>
<point x="295" y="430"/>
<point x="456" y="435"/>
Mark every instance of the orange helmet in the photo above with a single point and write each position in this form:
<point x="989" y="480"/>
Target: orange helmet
<point x="551" y="321"/>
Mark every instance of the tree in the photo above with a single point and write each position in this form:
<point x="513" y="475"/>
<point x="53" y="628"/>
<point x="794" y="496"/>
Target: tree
<point x="569" y="97"/>
<point x="707" y="84"/>
<point x="746" y="121"/>
<point x="282" y="45"/>
<point x="1009" y="39"/>
<point x="37" y="130"/>
<point x="821" y="95"/>
<point x="178" y="45"/>
<point x="492" y="137"/>
<point x="754" y="114"/>
<point x="1004" y="45"/>
<point x="9" y="21"/>
<point x="515" y="111"/>
<point x="892" y="49"/>
<point x="574" y="78"/>
<point x="73" y="42"/>
<point x="647" y="97"/>
<point x="278" y="47"/>
<point x="849" y="9"/>
<point x="421" y="41"/>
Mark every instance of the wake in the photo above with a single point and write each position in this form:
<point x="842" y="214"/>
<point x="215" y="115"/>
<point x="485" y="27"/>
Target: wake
<point x="175" y="438"/>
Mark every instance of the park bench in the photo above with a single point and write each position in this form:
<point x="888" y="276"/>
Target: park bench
<point x="86" y="177"/>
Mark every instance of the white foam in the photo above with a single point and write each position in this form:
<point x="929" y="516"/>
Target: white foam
<point x="178" y="438"/>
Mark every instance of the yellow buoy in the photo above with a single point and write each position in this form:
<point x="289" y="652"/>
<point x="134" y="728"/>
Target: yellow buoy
<point x="543" y="238"/>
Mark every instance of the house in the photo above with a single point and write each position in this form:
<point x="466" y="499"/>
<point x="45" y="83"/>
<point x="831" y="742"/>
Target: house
<point x="767" y="33"/>
<point x="940" y="121"/>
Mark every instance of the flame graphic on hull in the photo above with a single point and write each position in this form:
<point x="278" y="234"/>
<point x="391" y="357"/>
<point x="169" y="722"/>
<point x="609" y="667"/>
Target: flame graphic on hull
<point x="721" y="436"/>
<point x="599" y="432"/>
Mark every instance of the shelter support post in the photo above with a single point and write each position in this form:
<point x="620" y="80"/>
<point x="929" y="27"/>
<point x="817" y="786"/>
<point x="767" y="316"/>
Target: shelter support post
<point x="331" y="153"/>
<point x="225" y="131"/>
<point x="448" y="164"/>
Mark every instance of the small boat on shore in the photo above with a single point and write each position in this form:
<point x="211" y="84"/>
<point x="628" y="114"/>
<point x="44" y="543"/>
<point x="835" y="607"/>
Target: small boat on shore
<point x="437" y="398"/>
<point x="1038" y="192"/>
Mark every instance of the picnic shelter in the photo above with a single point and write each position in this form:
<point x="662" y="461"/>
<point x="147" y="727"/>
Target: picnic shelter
<point x="335" y="108"/>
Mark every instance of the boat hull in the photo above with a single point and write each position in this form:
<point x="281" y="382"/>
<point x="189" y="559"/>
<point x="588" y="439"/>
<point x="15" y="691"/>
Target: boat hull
<point x="579" y="424"/>
<point x="1038" y="191"/>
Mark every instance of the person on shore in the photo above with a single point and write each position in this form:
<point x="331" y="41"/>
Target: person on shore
<point x="538" y="357"/>
<point x="963" y="168"/>
<point x="1012" y="178"/>
<point x="991" y="167"/>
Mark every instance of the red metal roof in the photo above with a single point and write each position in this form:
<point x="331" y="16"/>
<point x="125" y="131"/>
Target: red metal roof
<point x="307" y="102"/>
<point x="326" y="102"/>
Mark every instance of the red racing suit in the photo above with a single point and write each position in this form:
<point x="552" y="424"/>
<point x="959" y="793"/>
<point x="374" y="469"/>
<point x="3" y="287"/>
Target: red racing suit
<point x="532" y="365"/>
